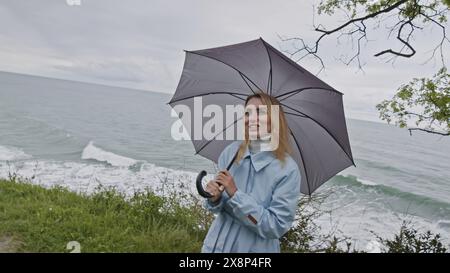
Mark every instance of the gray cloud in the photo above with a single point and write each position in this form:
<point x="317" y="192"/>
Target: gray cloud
<point x="139" y="44"/>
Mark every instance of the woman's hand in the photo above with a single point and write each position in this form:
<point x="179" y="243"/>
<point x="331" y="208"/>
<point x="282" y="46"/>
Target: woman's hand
<point x="225" y="179"/>
<point x="215" y="190"/>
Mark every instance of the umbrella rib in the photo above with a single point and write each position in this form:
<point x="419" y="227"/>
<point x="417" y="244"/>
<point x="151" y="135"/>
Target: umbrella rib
<point x="293" y="114"/>
<point x="209" y="141"/>
<point x="234" y="95"/>
<point x="323" y="127"/>
<point x="210" y="93"/>
<point x="296" y="91"/>
<point x="304" y="164"/>
<point x="269" y="80"/>
<point x="248" y="85"/>
<point x="294" y="64"/>
<point x="242" y="74"/>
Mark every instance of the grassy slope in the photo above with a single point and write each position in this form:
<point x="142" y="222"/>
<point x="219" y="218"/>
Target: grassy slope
<point x="45" y="220"/>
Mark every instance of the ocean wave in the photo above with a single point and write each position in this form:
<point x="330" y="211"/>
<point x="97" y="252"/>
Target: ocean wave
<point x="95" y="153"/>
<point x="85" y="177"/>
<point x="443" y="224"/>
<point x="355" y="181"/>
<point x="12" y="153"/>
<point x="366" y="182"/>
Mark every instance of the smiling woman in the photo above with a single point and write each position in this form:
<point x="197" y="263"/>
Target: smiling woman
<point x="257" y="198"/>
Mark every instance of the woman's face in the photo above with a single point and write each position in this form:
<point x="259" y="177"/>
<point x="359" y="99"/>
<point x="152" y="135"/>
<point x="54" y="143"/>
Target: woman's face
<point x="257" y="120"/>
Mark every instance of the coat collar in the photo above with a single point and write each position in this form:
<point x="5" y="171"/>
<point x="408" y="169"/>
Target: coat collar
<point x="260" y="159"/>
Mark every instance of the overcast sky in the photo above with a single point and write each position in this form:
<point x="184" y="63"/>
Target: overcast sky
<point x="139" y="43"/>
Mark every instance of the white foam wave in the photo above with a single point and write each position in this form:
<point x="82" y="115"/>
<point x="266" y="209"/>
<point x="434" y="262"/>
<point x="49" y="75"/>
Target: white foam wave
<point x="445" y="224"/>
<point x="93" y="152"/>
<point x="86" y="177"/>
<point x="366" y="182"/>
<point x="373" y="247"/>
<point x="12" y="153"/>
<point x="353" y="176"/>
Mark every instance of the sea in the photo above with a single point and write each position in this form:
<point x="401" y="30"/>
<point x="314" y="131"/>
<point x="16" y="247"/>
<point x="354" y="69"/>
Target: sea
<point x="81" y="136"/>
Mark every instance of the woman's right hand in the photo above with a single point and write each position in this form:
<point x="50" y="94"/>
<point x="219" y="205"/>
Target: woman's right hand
<point x="215" y="190"/>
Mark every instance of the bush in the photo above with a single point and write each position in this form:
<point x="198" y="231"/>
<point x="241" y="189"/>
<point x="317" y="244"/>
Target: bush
<point x="409" y="240"/>
<point x="306" y="236"/>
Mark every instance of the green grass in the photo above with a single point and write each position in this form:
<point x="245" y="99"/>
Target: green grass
<point x="45" y="220"/>
<point x="36" y="219"/>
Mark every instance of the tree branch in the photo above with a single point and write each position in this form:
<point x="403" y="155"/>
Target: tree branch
<point x="409" y="13"/>
<point x="406" y="43"/>
<point x="428" y="131"/>
<point x="371" y="15"/>
<point x="444" y="38"/>
<point x="418" y="115"/>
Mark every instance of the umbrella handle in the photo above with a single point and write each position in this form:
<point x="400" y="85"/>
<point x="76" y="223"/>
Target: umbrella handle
<point x="200" y="189"/>
<point x="202" y="174"/>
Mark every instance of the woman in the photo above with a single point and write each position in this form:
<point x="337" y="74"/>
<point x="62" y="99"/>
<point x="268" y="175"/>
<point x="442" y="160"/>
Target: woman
<point x="256" y="200"/>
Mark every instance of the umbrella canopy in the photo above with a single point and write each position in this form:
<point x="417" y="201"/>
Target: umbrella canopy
<point x="313" y="109"/>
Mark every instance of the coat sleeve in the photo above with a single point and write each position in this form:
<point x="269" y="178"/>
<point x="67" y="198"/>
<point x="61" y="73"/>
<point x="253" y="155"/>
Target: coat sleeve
<point x="214" y="207"/>
<point x="274" y="221"/>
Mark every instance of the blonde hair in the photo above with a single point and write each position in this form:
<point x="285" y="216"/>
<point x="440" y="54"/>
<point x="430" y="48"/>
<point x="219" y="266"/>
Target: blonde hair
<point x="283" y="135"/>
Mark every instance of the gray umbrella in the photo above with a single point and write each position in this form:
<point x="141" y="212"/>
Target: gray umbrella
<point x="314" y="110"/>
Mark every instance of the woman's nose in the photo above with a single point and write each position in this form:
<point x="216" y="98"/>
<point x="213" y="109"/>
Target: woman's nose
<point x="253" y="119"/>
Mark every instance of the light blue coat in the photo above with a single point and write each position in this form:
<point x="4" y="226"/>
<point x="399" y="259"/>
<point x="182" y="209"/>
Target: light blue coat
<point x="262" y="209"/>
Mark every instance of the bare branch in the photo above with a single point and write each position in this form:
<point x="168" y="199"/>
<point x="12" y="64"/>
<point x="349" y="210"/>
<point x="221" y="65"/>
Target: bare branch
<point x="428" y="131"/>
<point x="444" y="38"/>
<point x="309" y="51"/>
<point x="319" y="28"/>
<point x="371" y="15"/>
<point x="406" y="43"/>
<point x="418" y="115"/>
